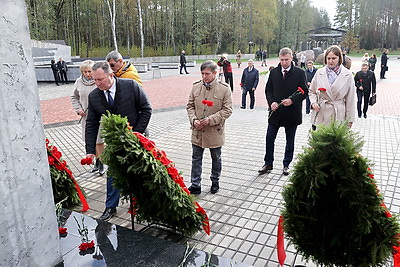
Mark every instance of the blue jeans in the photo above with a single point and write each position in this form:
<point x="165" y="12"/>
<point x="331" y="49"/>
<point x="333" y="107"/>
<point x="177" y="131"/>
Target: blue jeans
<point x="252" y="98"/>
<point x="197" y="163"/>
<point x="112" y="194"/>
<point x="272" y="131"/>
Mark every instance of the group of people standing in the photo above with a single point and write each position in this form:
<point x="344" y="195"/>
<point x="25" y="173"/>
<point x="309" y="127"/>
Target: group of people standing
<point x="60" y="70"/>
<point x="331" y="93"/>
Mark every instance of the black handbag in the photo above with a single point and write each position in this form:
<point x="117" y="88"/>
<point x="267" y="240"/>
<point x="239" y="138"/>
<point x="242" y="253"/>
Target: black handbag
<point x="372" y="100"/>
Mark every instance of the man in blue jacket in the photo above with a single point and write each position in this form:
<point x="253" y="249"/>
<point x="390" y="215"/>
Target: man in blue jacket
<point x="249" y="83"/>
<point x="310" y="72"/>
<point x="123" y="97"/>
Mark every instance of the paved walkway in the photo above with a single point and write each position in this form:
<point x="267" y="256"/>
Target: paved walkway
<point x="244" y="213"/>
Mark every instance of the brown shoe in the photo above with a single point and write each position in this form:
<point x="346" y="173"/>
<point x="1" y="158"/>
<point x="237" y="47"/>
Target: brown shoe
<point x="265" y="169"/>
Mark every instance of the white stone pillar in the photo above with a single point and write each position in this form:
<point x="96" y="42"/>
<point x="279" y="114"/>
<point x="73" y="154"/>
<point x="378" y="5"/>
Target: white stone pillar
<point x="28" y="226"/>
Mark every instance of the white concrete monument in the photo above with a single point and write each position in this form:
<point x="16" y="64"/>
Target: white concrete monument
<point x="28" y="225"/>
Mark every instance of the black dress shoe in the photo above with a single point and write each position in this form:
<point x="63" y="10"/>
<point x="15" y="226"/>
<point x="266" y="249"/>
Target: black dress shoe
<point x="96" y="166"/>
<point x="102" y="170"/>
<point x="243" y="107"/>
<point x="214" y="187"/>
<point x="285" y="171"/>
<point x="194" y="190"/>
<point x="365" y="115"/>
<point x="108" y="214"/>
<point x="265" y="169"/>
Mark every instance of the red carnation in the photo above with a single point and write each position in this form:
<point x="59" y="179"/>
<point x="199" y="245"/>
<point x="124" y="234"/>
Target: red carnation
<point x="322" y="89"/>
<point x="57" y="154"/>
<point x="300" y="90"/>
<point x="208" y="103"/>
<point x="62" y="230"/>
<point x="86" y="161"/>
<point x="173" y="172"/>
<point x="360" y="80"/>
<point x="86" y="246"/>
<point x="51" y="160"/>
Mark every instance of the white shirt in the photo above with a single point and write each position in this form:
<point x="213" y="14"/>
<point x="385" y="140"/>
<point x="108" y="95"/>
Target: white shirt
<point x="283" y="70"/>
<point x="113" y="89"/>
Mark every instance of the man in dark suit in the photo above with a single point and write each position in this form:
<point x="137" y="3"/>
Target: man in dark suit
<point x="365" y="81"/>
<point x="249" y="83"/>
<point x="384" y="59"/>
<point x="119" y="96"/>
<point x="63" y="68"/>
<point x="283" y="82"/>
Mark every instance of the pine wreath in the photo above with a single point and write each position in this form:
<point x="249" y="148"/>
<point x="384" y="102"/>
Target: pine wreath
<point x="143" y="171"/>
<point x="333" y="212"/>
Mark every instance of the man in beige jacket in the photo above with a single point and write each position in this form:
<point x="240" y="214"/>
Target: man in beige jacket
<point x="209" y="105"/>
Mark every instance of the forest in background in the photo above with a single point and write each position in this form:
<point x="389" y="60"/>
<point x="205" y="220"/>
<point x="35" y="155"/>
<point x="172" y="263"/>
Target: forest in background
<point x="165" y="27"/>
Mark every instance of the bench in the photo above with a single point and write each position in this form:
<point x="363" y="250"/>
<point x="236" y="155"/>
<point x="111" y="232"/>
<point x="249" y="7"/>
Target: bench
<point x="141" y="67"/>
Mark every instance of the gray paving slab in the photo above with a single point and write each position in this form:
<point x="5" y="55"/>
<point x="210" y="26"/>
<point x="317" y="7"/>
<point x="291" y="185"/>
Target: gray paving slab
<point x="245" y="212"/>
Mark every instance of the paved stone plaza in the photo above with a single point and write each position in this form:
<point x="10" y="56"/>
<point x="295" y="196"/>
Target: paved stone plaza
<point x="244" y="213"/>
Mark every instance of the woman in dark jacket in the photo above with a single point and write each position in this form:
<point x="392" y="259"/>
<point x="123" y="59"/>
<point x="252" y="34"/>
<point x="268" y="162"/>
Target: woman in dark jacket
<point x="371" y="62"/>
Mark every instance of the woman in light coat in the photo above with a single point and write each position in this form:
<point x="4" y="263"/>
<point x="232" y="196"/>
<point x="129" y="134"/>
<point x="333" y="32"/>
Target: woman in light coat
<point x="332" y="91"/>
<point x="79" y="99"/>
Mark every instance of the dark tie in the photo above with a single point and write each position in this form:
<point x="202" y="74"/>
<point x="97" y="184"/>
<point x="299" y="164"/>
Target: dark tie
<point x="110" y="99"/>
<point x="284" y="74"/>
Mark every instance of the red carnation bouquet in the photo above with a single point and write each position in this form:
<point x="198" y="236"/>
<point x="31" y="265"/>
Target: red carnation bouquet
<point x="65" y="187"/>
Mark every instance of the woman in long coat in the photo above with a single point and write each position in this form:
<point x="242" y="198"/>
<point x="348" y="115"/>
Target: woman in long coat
<point x="79" y="100"/>
<point x="332" y="91"/>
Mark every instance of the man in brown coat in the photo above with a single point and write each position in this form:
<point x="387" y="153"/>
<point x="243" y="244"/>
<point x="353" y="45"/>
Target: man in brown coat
<point x="209" y="105"/>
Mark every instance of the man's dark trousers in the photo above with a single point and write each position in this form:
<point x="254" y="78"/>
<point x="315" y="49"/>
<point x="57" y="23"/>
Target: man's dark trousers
<point x="360" y="95"/>
<point x="272" y="131"/>
<point x="229" y="79"/>
<point x="252" y="98"/>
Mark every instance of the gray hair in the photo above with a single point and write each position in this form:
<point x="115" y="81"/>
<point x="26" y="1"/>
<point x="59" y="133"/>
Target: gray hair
<point x="209" y="64"/>
<point x="87" y="64"/>
<point x="365" y="64"/>
<point x="102" y="65"/>
<point x="250" y="60"/>
<point x="285" y="51"/>
<point x="113" y="55"/>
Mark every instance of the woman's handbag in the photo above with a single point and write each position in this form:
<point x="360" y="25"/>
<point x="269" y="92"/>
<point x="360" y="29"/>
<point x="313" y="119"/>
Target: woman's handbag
<point x="372" y="100"/>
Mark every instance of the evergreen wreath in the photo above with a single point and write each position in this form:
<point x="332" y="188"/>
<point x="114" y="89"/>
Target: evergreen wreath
<point x="143" y="172"/>
<point x="333" y="212"/>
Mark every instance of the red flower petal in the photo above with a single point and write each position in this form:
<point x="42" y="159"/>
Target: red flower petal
<point x="322" y="89"/>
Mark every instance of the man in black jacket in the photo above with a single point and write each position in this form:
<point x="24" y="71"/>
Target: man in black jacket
<point x="119" y="96"/>
<point x="384" y="59"/>
<point x="365" y="81"/>
<point x="249" y="83"/>
<point x="183" y="62"/>
<point x="282" y="84"/>
<point x="63" y="68"/>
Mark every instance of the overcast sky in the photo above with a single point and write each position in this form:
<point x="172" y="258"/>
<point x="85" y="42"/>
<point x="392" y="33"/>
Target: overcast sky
<point x="328" y="5"/>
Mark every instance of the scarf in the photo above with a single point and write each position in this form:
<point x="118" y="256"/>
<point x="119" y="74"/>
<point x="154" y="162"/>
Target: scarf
<point x="86" y="81"/>
<point x="333" y="73"/>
